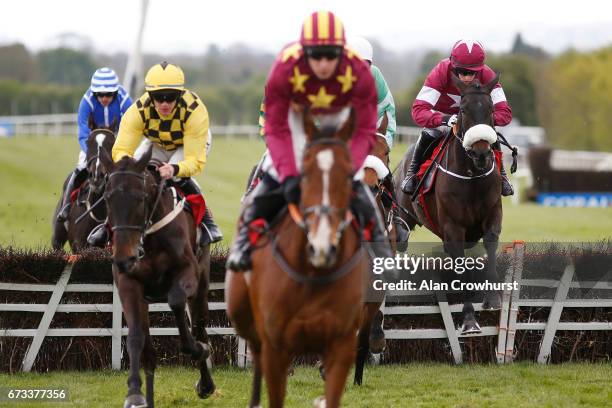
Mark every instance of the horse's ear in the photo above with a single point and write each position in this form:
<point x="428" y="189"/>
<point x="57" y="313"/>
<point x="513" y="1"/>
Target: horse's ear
<point x="492" y="84"/>
<point x="458" y="83"/>
<point x="142" y="163"/>
<point x="346" y="131"/>
<point x="382" y="129"/>
<point x="106" y="159"/>
<point x="113" y="125"/>
<point x="309" y="126"/>
<point x="90" y="122"/>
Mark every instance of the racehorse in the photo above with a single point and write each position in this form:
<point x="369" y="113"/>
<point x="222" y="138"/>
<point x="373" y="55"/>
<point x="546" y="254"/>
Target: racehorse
<point x="466" y="203"/>
<point x="304" y="293"/>
<point x="371" y="335"/>
<point x="154" y="259"/>
<point x="88" y="196"/>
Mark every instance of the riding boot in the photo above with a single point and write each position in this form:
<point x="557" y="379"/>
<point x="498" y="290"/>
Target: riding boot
<point x="364" y="206"/>
<point x="98" y="237"/>
<point x="70" y="187"/>
<point x="210" y="232"/>
<point x="411" y="181"/>
<point x="507" y="189"/>
<point x="262" y="202"/>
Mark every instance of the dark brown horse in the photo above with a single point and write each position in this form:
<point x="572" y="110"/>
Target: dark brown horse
<point x="371" y="335"/>
<point x="154" y="259"/>
<point x="304" y="293"/>
<point x="88" y="207"/>
<point x="466" y="203"/>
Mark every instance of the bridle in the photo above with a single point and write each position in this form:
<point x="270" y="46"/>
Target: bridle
<point x="148" y="213"/>
<point x="299" y="214"/>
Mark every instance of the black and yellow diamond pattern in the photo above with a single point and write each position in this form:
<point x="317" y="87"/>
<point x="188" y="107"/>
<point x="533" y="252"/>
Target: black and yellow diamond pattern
<point x="167" y="132"/>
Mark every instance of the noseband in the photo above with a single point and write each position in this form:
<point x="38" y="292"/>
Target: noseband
<point x="318" y="210"/>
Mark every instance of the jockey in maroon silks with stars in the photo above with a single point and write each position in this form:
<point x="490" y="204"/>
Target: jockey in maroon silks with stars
<point x="319" y="73"/>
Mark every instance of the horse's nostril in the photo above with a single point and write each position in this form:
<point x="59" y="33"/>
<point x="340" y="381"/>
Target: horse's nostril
<point x="310" y="249"/>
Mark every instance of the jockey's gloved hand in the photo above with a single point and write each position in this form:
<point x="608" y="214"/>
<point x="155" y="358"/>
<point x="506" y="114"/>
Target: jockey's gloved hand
<point x="449" y="120"/>
<point x="291" y="189"/>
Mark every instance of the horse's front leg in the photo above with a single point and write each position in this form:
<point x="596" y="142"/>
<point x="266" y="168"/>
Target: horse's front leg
<point x="148" y="358"/>
<point x="198" y="305"/>
<point x="492" y="299"/>
<point x="130" y="293"/>
<point x="184" y="286"/>
<point x="454" y="245"/>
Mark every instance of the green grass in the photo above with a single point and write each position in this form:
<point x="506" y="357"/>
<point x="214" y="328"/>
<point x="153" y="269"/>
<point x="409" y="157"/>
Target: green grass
<point x="32" y="170"/>
<point x="411" y="385"/>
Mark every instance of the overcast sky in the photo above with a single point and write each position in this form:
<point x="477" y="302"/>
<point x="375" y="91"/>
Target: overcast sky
<point x="190" y="26"/>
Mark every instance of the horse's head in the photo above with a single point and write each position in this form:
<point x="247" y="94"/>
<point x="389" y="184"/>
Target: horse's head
<point x="326" y="185"/>
<point x="127" y="191"/>
<point x="98" y="139"/>
<point x="380" y="150"/>
<point x="476" y="122"/>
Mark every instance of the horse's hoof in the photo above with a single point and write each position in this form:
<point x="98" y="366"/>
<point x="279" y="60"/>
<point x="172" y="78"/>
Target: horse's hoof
<point x="319" y="402"/>
<point x="135" y="401"/>
<point x="470" y="327"/>
<point x="319" y="365"/>
<point x="491" y="301"/>
<point x="206" y="390"/>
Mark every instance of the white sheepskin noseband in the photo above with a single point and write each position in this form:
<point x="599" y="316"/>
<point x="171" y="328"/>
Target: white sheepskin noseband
<point x="479" y="132"/>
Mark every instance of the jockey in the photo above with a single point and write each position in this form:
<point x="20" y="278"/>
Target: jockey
<point x="385" y="107"/>
<point x="317" y="72"/>
<point x="104" y="103"/>
<point x="174" y="121"/>
<point x="437" y="104"/>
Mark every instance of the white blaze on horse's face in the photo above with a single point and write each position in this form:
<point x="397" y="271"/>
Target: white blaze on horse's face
<point x="100" y="138"/>
<point x="321" y="238"/>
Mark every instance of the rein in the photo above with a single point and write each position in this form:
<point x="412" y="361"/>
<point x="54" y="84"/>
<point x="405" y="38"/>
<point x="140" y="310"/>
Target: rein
<point x="313" y="280"/>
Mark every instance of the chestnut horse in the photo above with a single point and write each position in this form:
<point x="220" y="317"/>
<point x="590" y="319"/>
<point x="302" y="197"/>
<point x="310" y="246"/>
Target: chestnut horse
<point x="466" y="203"/>
<point x="305" y="291"/>
<point x="154" y="259"/>
<point x="88" y="210"/>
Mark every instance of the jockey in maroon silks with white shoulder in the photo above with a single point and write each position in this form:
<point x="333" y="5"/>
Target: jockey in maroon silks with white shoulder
<point x="437" y="104"/>
<point x="319" y="73"/>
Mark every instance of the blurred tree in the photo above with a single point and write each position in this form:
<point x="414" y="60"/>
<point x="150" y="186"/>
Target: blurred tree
<point x="520" y="47"/>
<point x="66" y="66"/>
<point x="518" y="77"/>
<point x="576" y="96"/>
<point x="17" y="63"/>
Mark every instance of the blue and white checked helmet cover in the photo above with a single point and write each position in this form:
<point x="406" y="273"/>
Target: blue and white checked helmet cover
<point x="104" y="80"/>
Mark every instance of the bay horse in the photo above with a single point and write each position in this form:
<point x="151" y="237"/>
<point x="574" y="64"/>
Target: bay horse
<point x="305" y="291"/>
<point x="89" y="195"/>
<point x="371" y="336"/>
<point x="154" y="259"/>
<point x="466" y="203"/>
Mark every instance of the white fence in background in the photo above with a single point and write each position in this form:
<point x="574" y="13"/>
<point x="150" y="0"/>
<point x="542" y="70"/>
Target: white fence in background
<point x="65" y="124"/>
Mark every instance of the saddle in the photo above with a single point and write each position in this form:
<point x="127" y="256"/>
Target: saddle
<point x="194" y="203"/>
